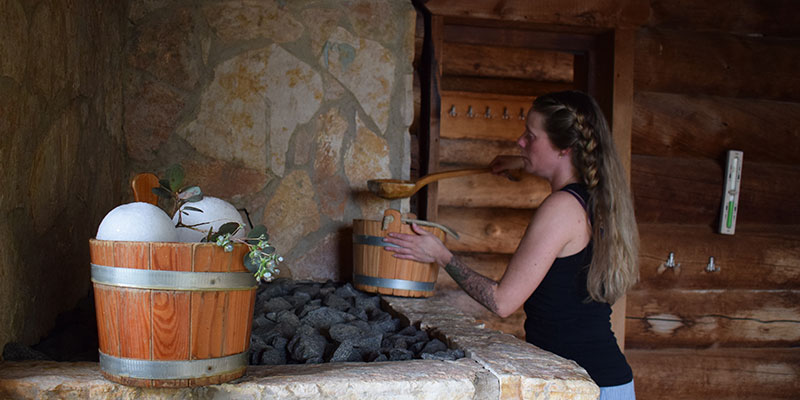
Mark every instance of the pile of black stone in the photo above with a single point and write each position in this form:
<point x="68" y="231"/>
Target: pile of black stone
<point x="303" y="322"/>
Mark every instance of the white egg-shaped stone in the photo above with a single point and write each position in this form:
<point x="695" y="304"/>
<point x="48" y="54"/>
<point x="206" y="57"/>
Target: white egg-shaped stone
<point x="216" y="212"/>
<point x="137" y="222"/>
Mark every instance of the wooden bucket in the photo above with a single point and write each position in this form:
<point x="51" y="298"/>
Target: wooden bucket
<point x="375" y="270"/>
<point x="171" y="314"/>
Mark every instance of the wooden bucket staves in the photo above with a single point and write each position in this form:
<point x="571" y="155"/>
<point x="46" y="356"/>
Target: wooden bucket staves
<point x="376" y="271"/>
<point x="171" y="314"/>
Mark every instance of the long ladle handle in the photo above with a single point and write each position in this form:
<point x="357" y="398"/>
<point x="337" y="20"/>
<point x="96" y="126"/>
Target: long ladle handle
<point x="450" y="174"/>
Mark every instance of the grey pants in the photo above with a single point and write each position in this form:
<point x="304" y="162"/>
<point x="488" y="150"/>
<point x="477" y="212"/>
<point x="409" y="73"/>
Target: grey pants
<point x="621" y="392"/>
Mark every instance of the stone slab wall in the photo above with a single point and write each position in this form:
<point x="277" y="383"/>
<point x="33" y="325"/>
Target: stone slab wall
<point x="61" y="149"/>
<point x="285" y="108"/>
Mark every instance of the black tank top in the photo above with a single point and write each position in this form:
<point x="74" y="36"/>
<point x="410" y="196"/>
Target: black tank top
<point x="560" y="320"/>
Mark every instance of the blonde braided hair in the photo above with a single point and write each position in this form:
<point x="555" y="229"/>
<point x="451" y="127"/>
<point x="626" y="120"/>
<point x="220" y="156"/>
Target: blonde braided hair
<point x="574" y="120"/>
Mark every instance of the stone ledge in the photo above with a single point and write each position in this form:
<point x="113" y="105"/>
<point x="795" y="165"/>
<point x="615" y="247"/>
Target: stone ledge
<point x="523" y="371"/>
<point x="415" y="379"/>
<point x="498" y="366"/>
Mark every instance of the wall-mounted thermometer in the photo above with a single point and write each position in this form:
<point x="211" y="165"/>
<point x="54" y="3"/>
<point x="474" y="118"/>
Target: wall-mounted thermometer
<point x="730" y="197"/>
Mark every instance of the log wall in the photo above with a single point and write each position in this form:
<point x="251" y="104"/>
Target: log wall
<point x="707" y="78"/>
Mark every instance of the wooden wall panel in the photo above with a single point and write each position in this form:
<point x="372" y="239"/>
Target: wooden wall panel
<point x="485" y="230"/>
<point x="697" y="126"/>
<point x="519" y="87"/>
<point x="765" y="17"/>
<point x="760" y="257"/>
<point x="715" y="317"/>
<point x="488" y="190"/>
<point x="474" y="152"/>
<point x="720" y="374"/>
<point x="717" y="64"/>
<point x="599" y="13"/>
<point x="506" y="62"/>
<point x="689" y="191"/>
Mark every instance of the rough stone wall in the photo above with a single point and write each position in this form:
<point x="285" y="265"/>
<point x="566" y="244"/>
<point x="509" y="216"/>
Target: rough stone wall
<point x="285" y="108"/>
<point x="61" y="149"/>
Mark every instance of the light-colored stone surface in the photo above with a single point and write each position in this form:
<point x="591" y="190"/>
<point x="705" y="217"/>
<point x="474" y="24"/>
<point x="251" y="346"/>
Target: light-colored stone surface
<point x="523" y="370"/>
<point x="365" y="68"/>
<point x="498" y="366"/>
<point x="367" y="158"/>
<point x="292" y="212"/>
<point x="252" y="19"/>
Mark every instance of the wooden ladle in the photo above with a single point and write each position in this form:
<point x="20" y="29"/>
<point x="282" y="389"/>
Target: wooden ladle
<point x="398" y="189"/>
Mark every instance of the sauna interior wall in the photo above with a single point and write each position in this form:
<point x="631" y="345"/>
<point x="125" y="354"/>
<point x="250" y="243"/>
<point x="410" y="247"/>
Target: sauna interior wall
<point x="706" y="80"/>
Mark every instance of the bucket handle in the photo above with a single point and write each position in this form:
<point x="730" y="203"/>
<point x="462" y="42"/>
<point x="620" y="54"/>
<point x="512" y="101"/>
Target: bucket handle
<point x="391" y="216"/>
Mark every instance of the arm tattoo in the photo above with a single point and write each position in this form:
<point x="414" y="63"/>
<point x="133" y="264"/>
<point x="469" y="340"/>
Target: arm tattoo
<point x="476" y="285"/>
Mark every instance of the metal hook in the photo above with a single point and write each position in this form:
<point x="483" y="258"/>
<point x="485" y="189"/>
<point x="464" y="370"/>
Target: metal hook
<point x="469" y="112"/>
<point x="670" y="263"/>
<point x="505" y="113"/>
<point x="453" y="112"/>
<point x="711" y="267"/>
<point x="488" y="113"/>
<point x="522" y="113"/>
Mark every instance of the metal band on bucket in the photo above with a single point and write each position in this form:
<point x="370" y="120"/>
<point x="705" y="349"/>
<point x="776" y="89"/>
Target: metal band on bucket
<point x="172" y="280"/>
<point x="371" y="241"/>
<point x="148" y="369"/>
<point x="388" y="283"/>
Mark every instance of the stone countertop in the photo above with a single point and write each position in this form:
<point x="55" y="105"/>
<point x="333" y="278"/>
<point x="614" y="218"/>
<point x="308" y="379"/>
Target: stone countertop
<point x="497" y="366"/>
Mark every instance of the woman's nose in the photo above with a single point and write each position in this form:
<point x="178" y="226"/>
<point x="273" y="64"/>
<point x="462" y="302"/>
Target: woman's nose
<point x="521" y="141"/>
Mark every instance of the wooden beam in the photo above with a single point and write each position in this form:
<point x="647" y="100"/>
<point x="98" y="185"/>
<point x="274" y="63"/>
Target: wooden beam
<point x="500" y="61"/>
<point x="464" y="115"/>
<point x="756" y="257"/>
<point x="697" y="126"/>
<point x="518" y="87"/>
<point x="485" y="230"/>
<point x="744" y="17"/>
<point x="723" y="374"/>
<point x="554" y="41"/>
<point x="689" y="191"/>
<point x="721" y="317"/>
<point x="717" y="64"/>
<point x="474" y="152"/>
<point x="599" y="13"/>
<point x="487" y="190"/>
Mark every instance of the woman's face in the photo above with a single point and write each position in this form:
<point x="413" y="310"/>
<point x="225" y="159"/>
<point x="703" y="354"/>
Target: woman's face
<point x="538" y="152"/>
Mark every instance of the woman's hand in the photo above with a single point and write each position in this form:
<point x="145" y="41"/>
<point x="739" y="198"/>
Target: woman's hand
<point x="423" y="247"/>
<point x="501" y="165"/>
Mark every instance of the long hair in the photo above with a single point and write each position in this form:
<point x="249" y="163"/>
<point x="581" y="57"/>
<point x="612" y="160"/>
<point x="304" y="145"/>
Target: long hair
<point x="574" y="120"/>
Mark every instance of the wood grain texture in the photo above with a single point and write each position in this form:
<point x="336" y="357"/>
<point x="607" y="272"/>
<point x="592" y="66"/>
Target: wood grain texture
<point x="171" y="311"/>
<point x="689" y="191"/>
<point x="726" y="374"/>
<point x="602" y="13"/>
<point x="132" y="255"/>
<point x="489" y="190"/>
<point x="714" y="317"/>
<point x="133" y="310"/>
<point x="758" y="257"/>
<point x="485" y="230"/>
<point x="474" y="152"/>
<point x="517" y="87"/>
<point x="747" y="17"/>
<point x="498" y="61"/>
<point x="696" y="126"/>
<point x="717" y="64"/>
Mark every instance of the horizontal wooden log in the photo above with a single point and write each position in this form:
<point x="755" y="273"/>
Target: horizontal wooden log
<point x="499" y="61"/>
<point x="720" y="374"/>
<point x="519" y="87"/>
<point x="602" y="13"/>
<point x="487" y="190"/>
<point x="692" y="126"/>
<point x="689" y="191"/>
<point x="485" y="230"/>
<point x="716" y="64"/>
<point x="464" y="115"/>
<point x="759" y="257"/>
<point x="704" y="318"/>
<point x="474" y="152"/>
<point x="764" y="17"/>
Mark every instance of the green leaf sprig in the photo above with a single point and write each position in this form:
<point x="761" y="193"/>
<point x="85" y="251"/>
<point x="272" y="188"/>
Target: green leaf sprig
<point x="262" y="259"/>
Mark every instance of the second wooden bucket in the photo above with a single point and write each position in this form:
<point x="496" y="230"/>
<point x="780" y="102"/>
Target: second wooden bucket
<point x="375" y="270"/>
<point x="171" y="314"/>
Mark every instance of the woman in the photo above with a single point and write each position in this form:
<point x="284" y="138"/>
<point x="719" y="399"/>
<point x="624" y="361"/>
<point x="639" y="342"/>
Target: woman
<point x="579" y="252"/>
